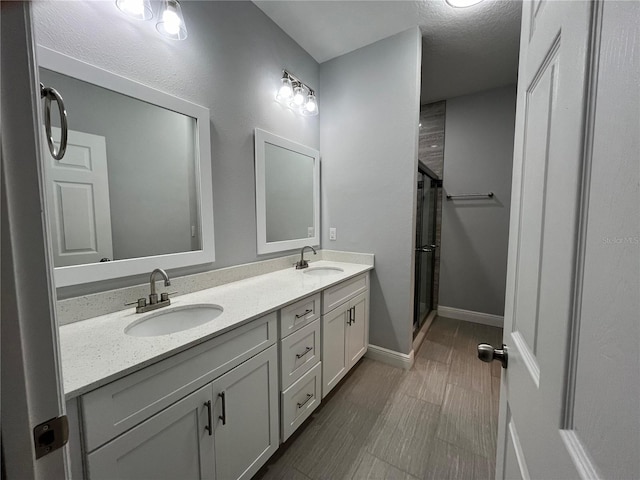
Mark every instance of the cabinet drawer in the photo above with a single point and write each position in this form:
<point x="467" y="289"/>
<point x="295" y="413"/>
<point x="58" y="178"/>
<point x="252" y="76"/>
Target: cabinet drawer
<point x="120" y="405"/>
<point x="299" y="314"/>
<point x="299" y="400"/>
<point x="334" y="296"/>
<point x="299" y="352"/>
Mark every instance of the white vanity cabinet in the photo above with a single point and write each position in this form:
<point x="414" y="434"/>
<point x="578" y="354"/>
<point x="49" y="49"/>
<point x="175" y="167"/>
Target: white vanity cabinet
<point x="345" y="329"/>
<point x="208" y="412"/>
<point x="300" y="366"/>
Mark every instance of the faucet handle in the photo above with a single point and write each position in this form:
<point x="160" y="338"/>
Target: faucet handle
<point x="164" y="296"/>
<point x="141" y="302"/>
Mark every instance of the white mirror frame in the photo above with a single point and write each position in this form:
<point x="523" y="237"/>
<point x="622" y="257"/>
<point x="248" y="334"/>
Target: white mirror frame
<point x="94" y="272"/>
<point x="263" y="137"/>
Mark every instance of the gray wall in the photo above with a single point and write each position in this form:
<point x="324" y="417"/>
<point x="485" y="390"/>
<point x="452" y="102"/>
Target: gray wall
<point x="150" y="158"/>
<point x="369" y="144"/>
<point x="478" y="156"/>
<point x="231" y="63"/>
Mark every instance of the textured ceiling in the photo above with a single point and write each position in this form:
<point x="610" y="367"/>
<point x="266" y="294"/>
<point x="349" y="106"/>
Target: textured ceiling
<point x="465" y="50"/>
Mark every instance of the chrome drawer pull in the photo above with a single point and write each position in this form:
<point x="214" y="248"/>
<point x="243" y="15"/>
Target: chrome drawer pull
<point x="309" y="397"/>
<point x="304" y="314"/>
<point x="307" y="350"/>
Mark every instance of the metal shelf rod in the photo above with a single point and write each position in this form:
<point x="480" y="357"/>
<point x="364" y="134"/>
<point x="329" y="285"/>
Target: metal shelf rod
<point x="470" y="195"/>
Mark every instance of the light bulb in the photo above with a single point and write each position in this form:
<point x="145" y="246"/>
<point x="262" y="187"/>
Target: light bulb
<point x="139" y="9"/>
<point x="286" y="90"/>
<point x="171" y="21"/>
<point x="298" y="96"/>
<point x="311" y="106"/>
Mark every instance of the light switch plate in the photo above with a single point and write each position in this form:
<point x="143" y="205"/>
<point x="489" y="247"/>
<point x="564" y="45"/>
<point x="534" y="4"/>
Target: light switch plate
<point x="332" y="233"/>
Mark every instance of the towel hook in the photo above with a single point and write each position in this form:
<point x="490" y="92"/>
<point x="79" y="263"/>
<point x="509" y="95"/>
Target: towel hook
<point x="50" y="94"/>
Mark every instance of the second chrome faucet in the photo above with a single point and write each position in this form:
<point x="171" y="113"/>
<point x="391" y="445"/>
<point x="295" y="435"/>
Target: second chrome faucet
<point x="141" y="304"/>
<point x="303" y="263"/>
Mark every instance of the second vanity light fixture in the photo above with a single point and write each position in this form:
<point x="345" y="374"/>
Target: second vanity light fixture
<point x="170" y="21"/>
<point x="297" y="95"/>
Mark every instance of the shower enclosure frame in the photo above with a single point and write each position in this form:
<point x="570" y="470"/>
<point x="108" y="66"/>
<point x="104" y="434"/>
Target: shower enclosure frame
<point x="427" y="203"/>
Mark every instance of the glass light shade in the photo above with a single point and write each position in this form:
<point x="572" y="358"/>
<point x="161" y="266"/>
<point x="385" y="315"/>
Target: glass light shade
<point x="171" y="22"/>
<point x="311" y="106"/>
<point x="298" y="97"/>
<point x="285" y="93"/>
<point x="138" y="9"/>
<point x="462" y="3"/>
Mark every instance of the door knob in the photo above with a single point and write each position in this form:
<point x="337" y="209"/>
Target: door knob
<point x="488" y="353"/>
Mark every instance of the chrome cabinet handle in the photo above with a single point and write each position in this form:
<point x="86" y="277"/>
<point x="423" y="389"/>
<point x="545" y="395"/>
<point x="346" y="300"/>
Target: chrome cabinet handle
<point x="223" y="417"/>
<point x="309" y="397"/>
<point x="209" y="427"/>
<point x="49" y="94"/>
<point x="304" y="314"/>
<point x="353" y="319"/>
<point x="350" y="319"/>
<point x="488" y="353"/>
<point x="307" y="350"/>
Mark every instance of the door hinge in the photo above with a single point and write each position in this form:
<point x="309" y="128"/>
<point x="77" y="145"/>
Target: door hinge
<point x="51" y="435"/>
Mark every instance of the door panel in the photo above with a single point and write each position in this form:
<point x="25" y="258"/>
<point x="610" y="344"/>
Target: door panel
<point x="334" y="355"/>
<point x="543" y="237"/>
<point x="172" y="444"/>
<point x="78" y="193"/>
<point x="249" y="433"/>
<point x="357" y="338"/>
<point x="569" y="406"/>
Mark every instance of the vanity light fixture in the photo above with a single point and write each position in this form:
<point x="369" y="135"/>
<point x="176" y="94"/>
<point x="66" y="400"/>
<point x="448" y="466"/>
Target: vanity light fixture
<point x="170" y="21"/>
<point x="138" y="9"/>
<point x="297" y="95"/>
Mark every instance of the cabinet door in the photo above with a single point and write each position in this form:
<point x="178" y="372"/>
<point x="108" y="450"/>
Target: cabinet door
<point x="246" y="416"/>
<point x="334" y="357"/>
<point x="172" y="444"/>
<point x="358" y="329"/>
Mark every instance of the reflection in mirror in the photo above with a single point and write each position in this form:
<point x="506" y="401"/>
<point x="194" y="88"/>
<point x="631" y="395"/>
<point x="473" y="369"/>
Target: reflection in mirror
<point x="128" y="162"/>
<point x="287" y="193"/>
<point x="133" y="191"/>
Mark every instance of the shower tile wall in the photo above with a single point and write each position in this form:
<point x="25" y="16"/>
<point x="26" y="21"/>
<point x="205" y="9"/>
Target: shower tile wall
<point x="431" y="153"/>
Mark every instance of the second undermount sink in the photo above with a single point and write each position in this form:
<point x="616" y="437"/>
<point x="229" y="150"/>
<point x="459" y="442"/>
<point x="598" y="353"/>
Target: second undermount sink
<point x="173" y="320"/>
<point x="322" y="271"/>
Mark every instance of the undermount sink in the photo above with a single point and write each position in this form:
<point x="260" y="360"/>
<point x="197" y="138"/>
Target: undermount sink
<point x="322" y="271"/>
<point x="174" y="320"/>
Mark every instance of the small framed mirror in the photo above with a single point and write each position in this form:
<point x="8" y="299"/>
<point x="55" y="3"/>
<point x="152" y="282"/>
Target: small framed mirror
<point x="287" y="193"/>
<point x="133" y="191"/>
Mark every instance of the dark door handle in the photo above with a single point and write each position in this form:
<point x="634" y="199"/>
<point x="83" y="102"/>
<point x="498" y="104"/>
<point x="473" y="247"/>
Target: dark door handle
<point x="223" y="417"/>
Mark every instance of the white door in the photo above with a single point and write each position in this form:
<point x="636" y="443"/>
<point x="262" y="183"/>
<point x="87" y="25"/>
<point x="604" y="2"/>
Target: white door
<point x="175" y="443"/>
<point x="569" y="405"/>
<point x="335" y="362"/>
<point x="78" y="200"/>
<point x="246" y="419"/>
<point x="357" y="329"/>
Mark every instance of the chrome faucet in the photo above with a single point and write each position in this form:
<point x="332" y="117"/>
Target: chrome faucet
<point x="153" y="296"/>
<point x="303" y="263"/>
<point x="141" y="304"/>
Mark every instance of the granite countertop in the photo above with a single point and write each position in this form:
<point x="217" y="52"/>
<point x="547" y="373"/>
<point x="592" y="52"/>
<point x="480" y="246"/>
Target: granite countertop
<point x="97" y="351"/>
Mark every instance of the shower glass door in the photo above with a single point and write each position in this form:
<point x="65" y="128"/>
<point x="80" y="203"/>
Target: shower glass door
<point x="425" y="246"/>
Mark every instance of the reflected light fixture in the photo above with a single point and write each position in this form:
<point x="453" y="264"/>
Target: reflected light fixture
<point x="297" y="95"/>
<point x="138" y="9"/>
<point x="462" y="3"/>
<point x="170" y="21"/>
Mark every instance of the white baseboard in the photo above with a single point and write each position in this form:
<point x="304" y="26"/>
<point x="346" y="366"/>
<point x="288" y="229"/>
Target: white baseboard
<point x="419" y="338"/>
<point x="390" y="357"/>
<point x="471" y="316"/>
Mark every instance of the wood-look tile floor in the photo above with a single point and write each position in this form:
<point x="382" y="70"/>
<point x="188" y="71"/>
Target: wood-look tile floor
<point x="435" y="421"/>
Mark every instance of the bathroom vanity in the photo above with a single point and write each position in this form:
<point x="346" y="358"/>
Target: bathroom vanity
<point x="215" y="400"/>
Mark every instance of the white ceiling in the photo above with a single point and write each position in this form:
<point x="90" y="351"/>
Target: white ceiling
<point x="465" y="50"/>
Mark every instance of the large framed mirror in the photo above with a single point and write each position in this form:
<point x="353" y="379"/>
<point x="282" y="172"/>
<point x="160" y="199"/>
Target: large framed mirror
<point x="133" y="191"/>
<point x="287" y="193"/>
